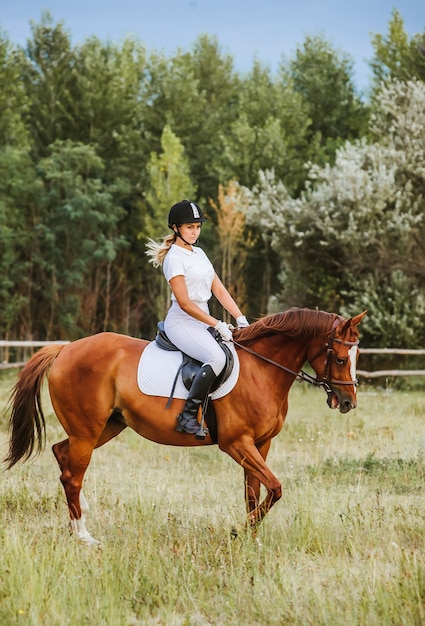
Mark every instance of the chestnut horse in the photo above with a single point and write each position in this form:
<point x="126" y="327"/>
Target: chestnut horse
<point x="94" y="393"/>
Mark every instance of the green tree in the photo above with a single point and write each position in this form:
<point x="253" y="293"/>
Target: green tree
<point x="109" y="108"/>
<point x="396" y="56"/>
<point x="170" y="181"/>
<point x="113" y="85"/>
<point x="48" y="74"/>
<point x="13" y="101"/>
<point x="78" y="242"/>
<point x="324" y="79"/>
<point x="195" y="93"/>
<point x="271" y="131"/>
<point x="19" y="195"/>
<point x="218" y="88"/>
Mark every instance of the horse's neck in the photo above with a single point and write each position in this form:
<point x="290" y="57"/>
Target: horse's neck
<point x="287" y="351"/>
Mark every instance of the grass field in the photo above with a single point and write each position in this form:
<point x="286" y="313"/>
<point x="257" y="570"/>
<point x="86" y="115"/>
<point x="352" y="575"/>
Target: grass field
<point x="345" y="545"/>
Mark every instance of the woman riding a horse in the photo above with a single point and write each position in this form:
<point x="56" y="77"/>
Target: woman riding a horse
<point x="193" y="280"/>
<point x="95" y="392"/>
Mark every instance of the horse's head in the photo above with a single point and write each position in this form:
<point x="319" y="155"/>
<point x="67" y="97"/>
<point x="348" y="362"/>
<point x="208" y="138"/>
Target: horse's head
<point x="335" y="363"/>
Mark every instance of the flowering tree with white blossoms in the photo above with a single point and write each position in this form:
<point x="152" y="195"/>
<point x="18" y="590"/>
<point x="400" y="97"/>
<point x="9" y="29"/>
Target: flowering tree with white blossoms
<point x="355" y="238"/>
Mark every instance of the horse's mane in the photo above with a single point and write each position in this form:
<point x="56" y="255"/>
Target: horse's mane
<point x="294" y="322"/>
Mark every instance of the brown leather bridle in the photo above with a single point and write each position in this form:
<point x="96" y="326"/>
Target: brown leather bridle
<point x="329" y="352"/>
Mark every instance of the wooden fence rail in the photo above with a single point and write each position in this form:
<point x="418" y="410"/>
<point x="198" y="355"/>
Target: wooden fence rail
<point x="23" y="346"/>
<point x="387" y="373"/>
<point x="5" y="364"/>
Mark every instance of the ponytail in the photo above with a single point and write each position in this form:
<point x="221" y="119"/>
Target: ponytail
<point x="158" y="251"/>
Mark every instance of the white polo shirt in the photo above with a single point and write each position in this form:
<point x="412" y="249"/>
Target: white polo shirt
<point x="196" y="268"/>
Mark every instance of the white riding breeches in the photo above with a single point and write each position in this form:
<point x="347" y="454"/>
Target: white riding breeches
<point x="192" y="337"/>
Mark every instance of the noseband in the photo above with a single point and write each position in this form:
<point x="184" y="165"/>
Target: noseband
<point x="317" y="382"/>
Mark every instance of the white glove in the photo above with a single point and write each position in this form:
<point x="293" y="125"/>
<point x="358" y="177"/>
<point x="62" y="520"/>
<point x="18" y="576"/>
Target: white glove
<point x="224" y="331"/>
<point x="242" y="321"/>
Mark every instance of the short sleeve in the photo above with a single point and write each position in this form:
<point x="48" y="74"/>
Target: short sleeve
<point x="173" y="266"/>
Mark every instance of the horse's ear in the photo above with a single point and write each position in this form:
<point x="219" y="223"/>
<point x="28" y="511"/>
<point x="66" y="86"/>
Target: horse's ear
<point x="355" y="321"/>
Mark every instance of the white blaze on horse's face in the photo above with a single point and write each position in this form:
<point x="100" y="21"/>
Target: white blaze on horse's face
<point x="352" y="355"/>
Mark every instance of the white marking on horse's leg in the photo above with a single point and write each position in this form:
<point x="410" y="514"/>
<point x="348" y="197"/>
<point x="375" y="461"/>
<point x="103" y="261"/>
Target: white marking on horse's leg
<point x="352" y="355"/>
<point x="84" y="505"/>
<point x="78" y="527"/>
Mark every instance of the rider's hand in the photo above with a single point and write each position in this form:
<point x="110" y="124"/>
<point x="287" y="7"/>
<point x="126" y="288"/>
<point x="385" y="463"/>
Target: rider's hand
<point x="242" y="322"/>
<point x="224" y="331"/>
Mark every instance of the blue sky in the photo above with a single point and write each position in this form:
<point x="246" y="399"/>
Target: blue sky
<point x="247" y="29"/>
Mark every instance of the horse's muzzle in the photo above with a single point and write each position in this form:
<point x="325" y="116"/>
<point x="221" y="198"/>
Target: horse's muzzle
<point x="344" y="404"/>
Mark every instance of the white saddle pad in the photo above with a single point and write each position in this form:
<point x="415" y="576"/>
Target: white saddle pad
<point x="158" y="368"/>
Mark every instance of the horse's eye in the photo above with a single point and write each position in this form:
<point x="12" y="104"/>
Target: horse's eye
<point x="339" y="361"/>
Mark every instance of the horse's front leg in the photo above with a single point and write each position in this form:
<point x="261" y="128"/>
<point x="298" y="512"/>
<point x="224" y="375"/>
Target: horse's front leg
<point x="252" y="492"/>
<point x="256" y="516"/>
<point x="252" y="459"/>
<point x="252" y="484"/>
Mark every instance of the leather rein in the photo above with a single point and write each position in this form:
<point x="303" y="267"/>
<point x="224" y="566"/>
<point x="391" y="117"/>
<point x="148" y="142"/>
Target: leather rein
<point x="317" y="382"/>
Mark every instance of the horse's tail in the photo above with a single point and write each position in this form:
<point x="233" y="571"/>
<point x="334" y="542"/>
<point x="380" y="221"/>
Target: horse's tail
<point x="27" y="425"/>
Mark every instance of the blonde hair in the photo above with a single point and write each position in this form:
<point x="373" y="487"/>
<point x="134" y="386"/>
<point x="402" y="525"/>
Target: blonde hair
<point x="158" y="251"/>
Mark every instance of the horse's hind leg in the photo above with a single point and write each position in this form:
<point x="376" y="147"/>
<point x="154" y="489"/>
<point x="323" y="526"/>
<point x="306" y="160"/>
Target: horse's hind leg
<point x="73" y="457"/>
<point x="114" y="426"/>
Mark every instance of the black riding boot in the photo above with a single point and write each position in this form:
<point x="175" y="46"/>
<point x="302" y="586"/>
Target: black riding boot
<point x="187" y="419"/>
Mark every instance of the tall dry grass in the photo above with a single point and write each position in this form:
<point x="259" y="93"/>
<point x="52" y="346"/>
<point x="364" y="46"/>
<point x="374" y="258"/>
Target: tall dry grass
<point x="344" y="546"/>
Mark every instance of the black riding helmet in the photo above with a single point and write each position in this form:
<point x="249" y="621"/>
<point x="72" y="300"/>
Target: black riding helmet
<point x="185" y="212"/>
